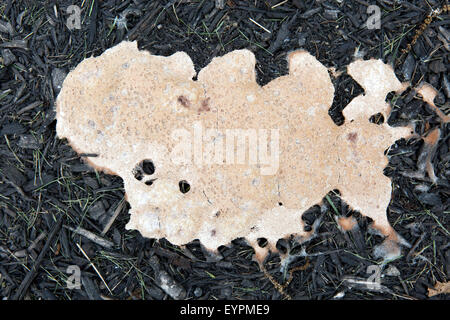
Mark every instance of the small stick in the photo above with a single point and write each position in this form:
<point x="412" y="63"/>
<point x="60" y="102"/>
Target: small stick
<point x="278" y="4"/>
<point x="33" y="272"/>
<point x="92" y="236"/>
<point x="113" y="218"/>
<point x="266" y="30"/>
<point x="93" y="266"/>
<point x="36" y="241"/>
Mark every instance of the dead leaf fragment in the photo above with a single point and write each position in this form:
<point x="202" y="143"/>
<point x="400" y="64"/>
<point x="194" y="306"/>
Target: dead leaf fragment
<point x="439" y="288"/>
<point x="428" y="94"/>
<point x="347" y="223"/>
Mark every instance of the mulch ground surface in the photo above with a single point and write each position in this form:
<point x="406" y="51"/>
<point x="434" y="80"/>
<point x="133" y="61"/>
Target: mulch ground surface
<point x="58" y="215"/>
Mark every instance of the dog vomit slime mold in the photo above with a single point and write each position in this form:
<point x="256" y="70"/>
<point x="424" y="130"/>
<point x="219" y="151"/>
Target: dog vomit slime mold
<point x="220" y="157"/>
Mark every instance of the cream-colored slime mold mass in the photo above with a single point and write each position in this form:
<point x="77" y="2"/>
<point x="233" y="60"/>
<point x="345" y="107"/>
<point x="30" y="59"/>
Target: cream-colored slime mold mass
<point x="161" y="131"/>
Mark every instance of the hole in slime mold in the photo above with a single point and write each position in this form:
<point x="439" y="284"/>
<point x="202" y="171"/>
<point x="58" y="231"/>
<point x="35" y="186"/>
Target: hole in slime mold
<point x="148" y="167"/>
<point x="184" y="186"/>
<point x="262" y="242"/>
<point x="282" y="246"/>
<point x="138" y="173"/>
<point x="150" y="182"/>
<point x="144" y="167"/>
<point x="377" y="118"/>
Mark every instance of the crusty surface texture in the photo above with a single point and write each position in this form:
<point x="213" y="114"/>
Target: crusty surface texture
<point x="127" y="106"/>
